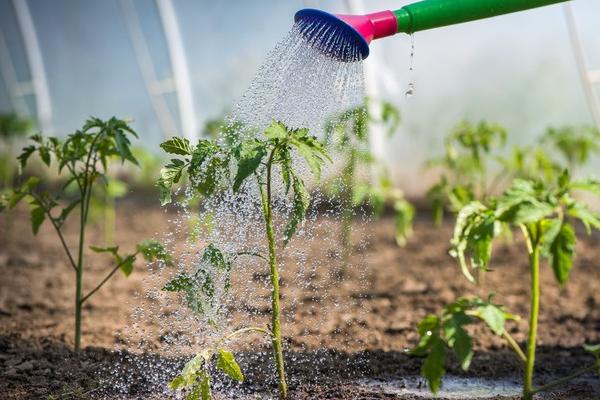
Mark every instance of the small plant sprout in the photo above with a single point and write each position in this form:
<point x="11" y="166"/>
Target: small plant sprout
<point x="348" y="135"/>
<point x="208" y="167"/>
<point x="83" y="157"/>
<point x="545" y="214"/>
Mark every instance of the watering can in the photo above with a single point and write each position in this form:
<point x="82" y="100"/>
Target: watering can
<point x="347" y="37"/>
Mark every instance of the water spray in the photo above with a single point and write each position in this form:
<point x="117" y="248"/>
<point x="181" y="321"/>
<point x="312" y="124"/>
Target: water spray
<point x="347" y="37"/>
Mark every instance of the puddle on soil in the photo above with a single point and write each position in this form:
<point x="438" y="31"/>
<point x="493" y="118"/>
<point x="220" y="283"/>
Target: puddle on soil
<point x="454" y="387"/>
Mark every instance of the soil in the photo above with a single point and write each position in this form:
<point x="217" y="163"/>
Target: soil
<point x="338" y="332"/>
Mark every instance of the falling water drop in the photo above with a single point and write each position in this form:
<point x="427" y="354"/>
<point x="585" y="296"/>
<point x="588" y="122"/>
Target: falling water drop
<point x="411" y="86"/>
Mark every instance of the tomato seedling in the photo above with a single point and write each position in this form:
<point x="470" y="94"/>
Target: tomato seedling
<point x="84" y="156"/>
<point x="348" y="135"/>
<point x="545" y="214"/>
<point x="208" y="167"/>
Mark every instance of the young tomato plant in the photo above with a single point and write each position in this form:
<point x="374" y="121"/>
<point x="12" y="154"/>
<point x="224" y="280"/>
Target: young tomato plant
<point x="208" y="167"/>
<point x="465" y="166"/>
<point x="544" y="214"/>
<point x="348" y="134"/>
<point x="84" y="156"/>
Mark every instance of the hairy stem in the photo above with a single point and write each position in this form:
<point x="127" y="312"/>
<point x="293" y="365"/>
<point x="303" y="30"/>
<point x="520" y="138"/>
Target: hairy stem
<point x="276" y="308"/>
<point x="534" y="263"/>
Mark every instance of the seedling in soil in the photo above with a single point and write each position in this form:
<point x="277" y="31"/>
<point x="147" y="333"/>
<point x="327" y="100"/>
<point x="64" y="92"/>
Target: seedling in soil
<point x="348" y="134"/>
<point x="474" y="166"/>
<point x="545" y="215"/>
<point x="208" y="167"/>
<point x="84" y="157"/>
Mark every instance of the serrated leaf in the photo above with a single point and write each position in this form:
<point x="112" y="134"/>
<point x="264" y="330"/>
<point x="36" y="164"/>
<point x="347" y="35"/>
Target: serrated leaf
<point x="215" y="257"/>
<point x="458" y="339"/>
<point x="249" y="155"/>
<point x="169" y="175"/>
<point x="276" y="130"/>
<point x="25" y="154"/>
<point x="122" y="144"/>
<point x="492" y="315"/>
<point x="589" y="218"/>
<point x="178" y="383"/>
<point x="192" y="367"/>
<point x="177" y="145"/>
<point x="226" y="362"/>
<point x="66" y="211"/>
<point x="181" y="282"/>
<point x="301" y="201"/>
<point x="433" y="368"/>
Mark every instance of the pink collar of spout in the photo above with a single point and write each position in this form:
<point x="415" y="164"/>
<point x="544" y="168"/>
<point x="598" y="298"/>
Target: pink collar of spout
<point x="372" y="26"/>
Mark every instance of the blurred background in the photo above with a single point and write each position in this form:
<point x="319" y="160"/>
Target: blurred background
<point x="173" y="65"/>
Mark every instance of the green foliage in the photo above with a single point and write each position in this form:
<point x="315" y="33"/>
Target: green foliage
<point x="447" y="331"/>
<point x="545" y="212"/>
<point x="550" y="210"/>
<point x="219" y="165"/>
<point x="348" y="134"/>
<point x="474" y="168"/>
<point x="465" y="166"/>
<point x="195" y="375"/>
<point x="84" y="157"/>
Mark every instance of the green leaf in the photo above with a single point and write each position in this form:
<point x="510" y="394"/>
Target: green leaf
<point x="44" y="154"/>
<point x="169" y="175"/>
<point x="404" y="215"/>
<point x="427" y="327"/>
<point x="458" y="339"/>
<point x="493" y="315"/>
<point x="126" y="265"/>
<point x="181" y="282"/>
<point x="153" y="250"/>
<point x="192" y="367"/>
<point x="433" y="368"/>
<point x="25" y="154"/>
<point x="591" y="185"/>
<point x="562" y="251"/>
<point x="177" y="383"/>
<point x="301" y="202"/>
<point x="216" y="258"/>
<point x="110" y="249"/>
<point x="589" y="218"/>
<point x="593" y="349"/>
<point x="205" y="387"/>
<point x="66" y="211"/>
<point x="38" y="215"/>
<point x="311" y="150"/>
<point x="226" y="362"/>
<point x="275" y="131"/>
<point x="177" y="145"/>
<point x="249" y="155"/>
<point x="123" y="147"/>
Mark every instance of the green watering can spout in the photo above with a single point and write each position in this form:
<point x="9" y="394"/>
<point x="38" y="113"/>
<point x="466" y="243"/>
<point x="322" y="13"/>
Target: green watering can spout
<point x="347" y="37"/>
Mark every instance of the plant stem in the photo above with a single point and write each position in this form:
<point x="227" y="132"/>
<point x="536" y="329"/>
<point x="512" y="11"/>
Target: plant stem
<point x="106" y="278"/>
<point x="348" y="212"/>
<point x="79" y="274"/>
<point x="515" y="346"/>
<point x="276" y="310"/>
<point x="534" y="263"/>
<point x="561" y="381"/>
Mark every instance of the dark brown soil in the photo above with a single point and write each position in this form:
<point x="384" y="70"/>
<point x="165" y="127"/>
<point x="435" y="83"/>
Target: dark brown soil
<point x="336" y="332"/>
